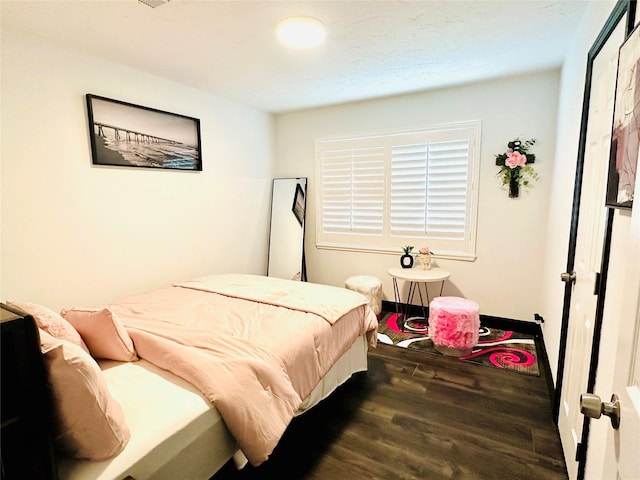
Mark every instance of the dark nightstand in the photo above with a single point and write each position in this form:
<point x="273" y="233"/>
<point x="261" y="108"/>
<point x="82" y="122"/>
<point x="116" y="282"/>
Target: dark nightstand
<point x="26" y="421"/>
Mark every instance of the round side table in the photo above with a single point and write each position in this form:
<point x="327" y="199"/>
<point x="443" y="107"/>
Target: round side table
<point x="416" y="277"/>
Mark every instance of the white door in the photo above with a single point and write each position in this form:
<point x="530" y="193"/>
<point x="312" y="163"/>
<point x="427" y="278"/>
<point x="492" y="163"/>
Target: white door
<point x="589" y="244"/>
<point x="622" y="306"/>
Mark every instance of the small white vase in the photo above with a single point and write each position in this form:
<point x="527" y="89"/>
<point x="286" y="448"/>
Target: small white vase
<point x="425" y="260"/>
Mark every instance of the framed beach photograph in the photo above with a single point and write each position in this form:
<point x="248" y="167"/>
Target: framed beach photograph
<point x="128" y="135"/>
<point x="625" y="134"/>
<point x="298" y="204"/>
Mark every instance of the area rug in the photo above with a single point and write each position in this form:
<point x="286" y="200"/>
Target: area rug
<point x="496" y="348"/>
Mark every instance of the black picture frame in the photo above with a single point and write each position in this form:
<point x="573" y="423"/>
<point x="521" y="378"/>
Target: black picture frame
<point x="625" y="131"/>
<point x="128" y="135"/>
<point x="298" y="204"/>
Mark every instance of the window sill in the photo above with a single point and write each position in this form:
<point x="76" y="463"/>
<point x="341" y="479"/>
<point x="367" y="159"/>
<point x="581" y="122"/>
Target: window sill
<point x="445" y="255"/>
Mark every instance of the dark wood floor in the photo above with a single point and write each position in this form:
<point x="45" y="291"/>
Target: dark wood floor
<point x="420" y="416"/>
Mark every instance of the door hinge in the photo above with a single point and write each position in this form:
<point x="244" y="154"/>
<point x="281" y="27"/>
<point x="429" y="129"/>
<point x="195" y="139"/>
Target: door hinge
<point x="579" y="452"/>
<point x="596" y="284"/>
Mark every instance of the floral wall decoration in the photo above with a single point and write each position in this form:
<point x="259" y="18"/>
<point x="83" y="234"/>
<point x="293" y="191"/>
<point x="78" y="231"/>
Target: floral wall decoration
<point x="515" y="166"/>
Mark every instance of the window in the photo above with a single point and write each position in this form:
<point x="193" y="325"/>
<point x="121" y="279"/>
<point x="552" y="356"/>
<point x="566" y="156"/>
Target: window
<point x="380" y="192"/>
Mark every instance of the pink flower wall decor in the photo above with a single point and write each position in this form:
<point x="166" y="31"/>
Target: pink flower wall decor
<point x="515" y="166"/>
<point x="515" y="159"/>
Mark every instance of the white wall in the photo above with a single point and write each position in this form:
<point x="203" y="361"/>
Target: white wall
<point x="77" y="234"/>
<point x="506" y="277"/>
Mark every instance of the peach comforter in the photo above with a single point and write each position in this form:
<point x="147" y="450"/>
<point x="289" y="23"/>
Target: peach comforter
<point x="255" y="346"/>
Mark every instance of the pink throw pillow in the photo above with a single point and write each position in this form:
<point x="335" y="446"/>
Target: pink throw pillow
<point x="88" y="422"/>
<point x="103" y="333"/>
<point x="51" y="322"/>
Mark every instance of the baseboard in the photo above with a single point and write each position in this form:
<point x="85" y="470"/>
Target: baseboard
<point x="545" y="369"/>
<point x="521" y="326"/>
<point x="530" y="328"/>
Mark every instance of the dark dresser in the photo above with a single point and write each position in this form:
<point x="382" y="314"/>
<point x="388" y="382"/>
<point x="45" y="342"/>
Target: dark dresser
<point x="26" y="446"/>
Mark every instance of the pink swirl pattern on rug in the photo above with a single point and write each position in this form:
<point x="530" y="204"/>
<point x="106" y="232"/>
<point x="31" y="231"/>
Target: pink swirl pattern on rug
<point x="393" y="325"/>
<point x="506" y="336"/>
<point x="501" y="356"/>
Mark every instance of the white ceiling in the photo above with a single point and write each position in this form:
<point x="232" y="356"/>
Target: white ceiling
<point x="373" y="48"/>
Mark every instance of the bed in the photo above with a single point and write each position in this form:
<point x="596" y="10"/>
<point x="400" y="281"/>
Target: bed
<point x="213" y="368"/>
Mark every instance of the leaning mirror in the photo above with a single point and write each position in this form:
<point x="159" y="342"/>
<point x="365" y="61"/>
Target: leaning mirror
<point x="286" y="238"/>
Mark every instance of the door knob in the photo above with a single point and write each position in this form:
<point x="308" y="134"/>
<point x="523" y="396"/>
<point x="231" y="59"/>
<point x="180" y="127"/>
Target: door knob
<point x="568" y="277"/>
<point x="593" y="407"/>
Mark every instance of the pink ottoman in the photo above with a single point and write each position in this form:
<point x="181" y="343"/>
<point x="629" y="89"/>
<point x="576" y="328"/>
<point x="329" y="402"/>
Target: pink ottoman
<point x="454" y="325"/>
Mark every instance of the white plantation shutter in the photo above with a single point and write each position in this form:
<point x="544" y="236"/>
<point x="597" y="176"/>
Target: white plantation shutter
<point x="409" y="172"/>
<point x="429" y="189"/>
<point x="380" y="192"/>
<point x="448" y="189"/>
<point x="353" y="190"/>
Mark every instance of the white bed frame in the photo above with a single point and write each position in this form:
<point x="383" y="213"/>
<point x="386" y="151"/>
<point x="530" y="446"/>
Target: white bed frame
<point x="175" y="431"/>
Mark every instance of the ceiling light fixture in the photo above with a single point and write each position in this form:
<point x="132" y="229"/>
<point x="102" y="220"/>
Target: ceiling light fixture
<point x="301" y="32"/>
<point x="154" y="3"/>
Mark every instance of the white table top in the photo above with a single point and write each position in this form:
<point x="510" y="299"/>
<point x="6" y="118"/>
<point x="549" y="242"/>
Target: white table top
<point x="419" y="274"/>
